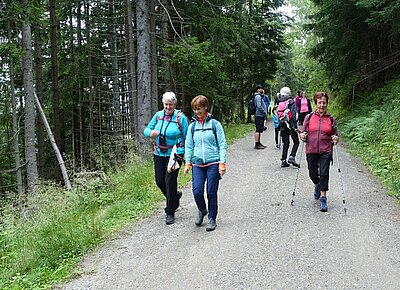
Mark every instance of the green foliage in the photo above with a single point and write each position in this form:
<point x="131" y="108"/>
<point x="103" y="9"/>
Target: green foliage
<point x="372" y="131"/>
<point x="42" y="249"/>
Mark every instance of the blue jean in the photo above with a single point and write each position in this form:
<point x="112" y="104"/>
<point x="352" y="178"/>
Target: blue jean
<point x="199" y="177"/>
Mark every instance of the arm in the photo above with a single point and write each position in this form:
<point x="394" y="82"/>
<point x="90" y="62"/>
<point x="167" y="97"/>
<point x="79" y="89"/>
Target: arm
<point x="222" y="148"/>
<point x="149" y="130"/>
<point x="189" y="145"/>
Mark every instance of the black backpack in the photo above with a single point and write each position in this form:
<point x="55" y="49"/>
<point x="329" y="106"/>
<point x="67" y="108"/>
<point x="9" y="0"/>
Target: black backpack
<point x="251" y="105"/>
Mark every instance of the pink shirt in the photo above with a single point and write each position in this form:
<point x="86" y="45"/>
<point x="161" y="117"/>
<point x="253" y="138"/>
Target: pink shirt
<point x="303" y="105"/>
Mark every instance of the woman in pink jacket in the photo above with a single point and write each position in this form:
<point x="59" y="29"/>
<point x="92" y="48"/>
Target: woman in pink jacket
<point x="320" y="132"/>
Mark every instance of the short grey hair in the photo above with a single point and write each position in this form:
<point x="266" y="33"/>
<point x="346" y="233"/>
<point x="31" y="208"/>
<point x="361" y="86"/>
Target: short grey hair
<point x="169" y="97"/>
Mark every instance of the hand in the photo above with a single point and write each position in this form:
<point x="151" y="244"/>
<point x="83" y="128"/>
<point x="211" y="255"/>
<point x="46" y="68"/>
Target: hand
<point x="335" y="139"/>
<point x="154" y="133"/>
<point x="303" y="136"/>
<point x="186" y="169"/>
<point x="222" y="169"/>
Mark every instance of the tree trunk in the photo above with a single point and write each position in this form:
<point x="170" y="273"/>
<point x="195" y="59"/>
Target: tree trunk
<point x="20" y="186"/>
<point x="116" y="108"/>
<point x="54" y="145"/>
<point x="54" y="79"/>
<point x="143" y="74"/>
<point x="164" y="31"/>
<point x="131" y="72"/>
<point x="153" y="59"/>
<point x="90" y="72"/>
<point x="30" y="149"/>
<point x="39" y="92"/>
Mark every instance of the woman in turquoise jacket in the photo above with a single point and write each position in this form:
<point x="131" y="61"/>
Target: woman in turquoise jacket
<point x="168" y="127"/>
<point x="205" y="153"/>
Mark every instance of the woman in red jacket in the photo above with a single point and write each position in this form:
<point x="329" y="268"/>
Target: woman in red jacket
<point x="320" y="132"/>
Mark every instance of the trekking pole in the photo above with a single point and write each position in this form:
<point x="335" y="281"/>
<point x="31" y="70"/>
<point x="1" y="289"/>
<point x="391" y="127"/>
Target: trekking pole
<point x="340" y="178"/>
<point x="297" y="174"/>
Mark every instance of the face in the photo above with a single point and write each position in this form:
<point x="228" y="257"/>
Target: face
<point x="322" y="105"/>
<point x="169" y="107"/>
<point x="200" y="112"/>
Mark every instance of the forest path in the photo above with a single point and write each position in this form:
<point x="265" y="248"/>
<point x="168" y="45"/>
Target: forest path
<point x="261" y="241"/>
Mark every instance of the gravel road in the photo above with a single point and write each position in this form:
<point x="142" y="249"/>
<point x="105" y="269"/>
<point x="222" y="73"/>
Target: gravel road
<point x="261" y="241"/>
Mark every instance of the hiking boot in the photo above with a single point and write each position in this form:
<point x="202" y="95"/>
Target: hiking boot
<point x="259" y="146"/>
<point x="285" y="164"/>
<point x="169" y="219"/>
<point x="178" y="197"/>
<point x="292" y="161"/>
<point x="211" y="225"/>
<point x="200" y="216"/>
<point x="317" y="192"/>
<point x="277" y="146"/>
<point x="263" y="145"/>
<point x="324" y="204"/>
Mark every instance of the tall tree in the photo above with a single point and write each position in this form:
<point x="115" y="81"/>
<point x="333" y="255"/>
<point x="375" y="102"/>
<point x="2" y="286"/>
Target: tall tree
<point x="30" y="111"/>
<point x="143" y="72"/>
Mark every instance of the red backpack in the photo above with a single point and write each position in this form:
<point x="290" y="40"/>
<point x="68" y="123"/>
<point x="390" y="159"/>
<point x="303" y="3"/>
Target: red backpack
<point x="284" y="113"/>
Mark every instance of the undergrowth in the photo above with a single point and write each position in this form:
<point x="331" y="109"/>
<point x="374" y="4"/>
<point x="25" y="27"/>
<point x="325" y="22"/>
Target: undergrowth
<point x="42" y="247"/>
<point x="373" y="132"/>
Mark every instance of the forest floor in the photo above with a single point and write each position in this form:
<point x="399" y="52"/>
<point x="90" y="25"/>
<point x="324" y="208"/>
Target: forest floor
<point x="261" y="240"/>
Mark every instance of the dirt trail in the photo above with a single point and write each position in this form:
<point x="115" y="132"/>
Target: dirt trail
<point x="261" y="241"/>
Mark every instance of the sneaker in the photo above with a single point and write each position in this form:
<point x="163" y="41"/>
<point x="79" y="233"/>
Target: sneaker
<point x="178" y="197"/>
<point x="263" y="145"/>
<point x="259" y="146"/>
<point x="324" y="204"/>
<point x="317" y="192"/>
<point x="277" y="146"/>
<point x="200" y="216"/>
<point x="292" y="161"/>
<point x="211" y="225"/>
<point x="169" y="219"/>
<point x="285" y="164"/>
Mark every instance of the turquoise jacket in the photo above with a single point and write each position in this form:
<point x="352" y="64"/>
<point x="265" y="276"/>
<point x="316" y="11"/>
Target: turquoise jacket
<point x="205" y="145"/>
<point x="174" y="131"/>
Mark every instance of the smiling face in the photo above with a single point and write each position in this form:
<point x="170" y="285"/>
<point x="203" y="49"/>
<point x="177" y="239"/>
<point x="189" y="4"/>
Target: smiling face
<point x="200" y="112"/>
<point x="322" y="105"/>
<point x="169" y="107"/>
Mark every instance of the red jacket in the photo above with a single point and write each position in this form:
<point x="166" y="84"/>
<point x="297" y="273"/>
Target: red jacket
<point x="319" y="132"/>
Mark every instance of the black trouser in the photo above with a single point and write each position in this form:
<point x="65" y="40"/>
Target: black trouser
<point x="318" y="169"/>
<point x="276" y="135"/>
<point x="285" y="133"/>
<point x="302" y="117"/>
<point x="167" y="182"/>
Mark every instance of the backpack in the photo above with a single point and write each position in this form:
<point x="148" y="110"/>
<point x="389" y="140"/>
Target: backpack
<point x="284" y="113"/>
<point x="213" y="128"/>
<point x="251" y="106"/>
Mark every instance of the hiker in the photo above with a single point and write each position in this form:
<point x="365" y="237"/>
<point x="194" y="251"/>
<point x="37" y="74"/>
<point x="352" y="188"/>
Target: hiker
<point x="276" y="127"/>
<point x="288" y="125"/>
<point x="206" y="155"/>
<point x="168" y="127"/>
<point x="303" y="106"/>
<point x="320" y="132"/>
<point x="259" y="116"/>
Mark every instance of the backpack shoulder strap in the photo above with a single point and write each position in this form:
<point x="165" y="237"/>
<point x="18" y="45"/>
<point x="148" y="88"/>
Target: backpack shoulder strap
<point x="308" y="120"/>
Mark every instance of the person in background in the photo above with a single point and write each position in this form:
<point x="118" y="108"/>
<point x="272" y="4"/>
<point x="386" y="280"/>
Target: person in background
<point x="276" y="127"/>
<point x="259" y="116"/>
<point x="303" y="106"/>
<point x="206" y="154"/>
<point x="320" y="132"/>
<point x="288" y="129"/>
<point x="267" y="102"/>
<point x="168" y="127"/>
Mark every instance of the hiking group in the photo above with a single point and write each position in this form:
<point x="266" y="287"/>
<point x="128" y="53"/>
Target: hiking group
<point x="201" y="144"/>
<point x="294" y="119"/>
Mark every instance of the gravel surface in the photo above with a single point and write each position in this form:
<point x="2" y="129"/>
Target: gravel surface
<point x="261" y="241"/>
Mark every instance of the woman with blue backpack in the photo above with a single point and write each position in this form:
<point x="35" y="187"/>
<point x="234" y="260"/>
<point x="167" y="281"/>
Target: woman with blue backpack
<point x="205" y="154"/>
<point x="168" y="127"/>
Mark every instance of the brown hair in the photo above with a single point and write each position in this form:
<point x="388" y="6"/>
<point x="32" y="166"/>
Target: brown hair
<point x="319" y="95"/>
<point x="199" y="101"/>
